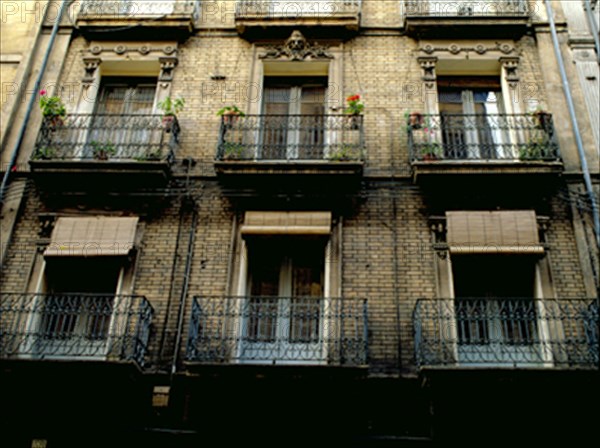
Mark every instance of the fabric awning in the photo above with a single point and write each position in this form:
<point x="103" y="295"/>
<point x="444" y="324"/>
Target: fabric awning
<point x="490" y="232"/>
<point x="91" y="237"/>
<point x="287" y="223"/>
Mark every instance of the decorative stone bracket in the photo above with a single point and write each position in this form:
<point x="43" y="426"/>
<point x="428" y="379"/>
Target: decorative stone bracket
<point x="428" y="66"/>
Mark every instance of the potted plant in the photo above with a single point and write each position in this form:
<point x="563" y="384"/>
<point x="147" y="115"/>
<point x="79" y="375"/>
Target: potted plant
<point x="431" y="151"/>
<point x="45" y="153"/>
<point x="230" y="114"/>
<point x="170" y="108"/>
<point x="344" y="153"/>
<point x="354" y="108"/>
<point x="542" y="118"/>
<point x="415" y="120"/>
<point x="233" y="151"/>
<point x="53" y="109"/>
<point x="536" y="149"/>
<point x="102" y="151"/>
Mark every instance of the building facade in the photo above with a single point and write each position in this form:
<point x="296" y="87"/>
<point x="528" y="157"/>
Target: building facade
<point x="368" y="223"/>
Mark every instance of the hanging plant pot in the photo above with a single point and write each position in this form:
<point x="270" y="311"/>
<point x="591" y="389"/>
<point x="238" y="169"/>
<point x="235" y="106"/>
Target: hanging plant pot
<point x="168" y="121"/>
<point x="354" y="121"/>
<point x="415" y="120"/>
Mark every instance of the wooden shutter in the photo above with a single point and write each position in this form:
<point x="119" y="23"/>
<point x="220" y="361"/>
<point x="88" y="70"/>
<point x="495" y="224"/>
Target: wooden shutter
<point x="89" y="237"/>
<point x="493" y="232"/>
<point x="287" y="223"/>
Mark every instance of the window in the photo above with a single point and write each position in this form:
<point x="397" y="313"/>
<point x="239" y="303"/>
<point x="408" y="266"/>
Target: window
<point x="294" y="118"/>
<point x="471" y="117"/>
<point x="123" y="125"/>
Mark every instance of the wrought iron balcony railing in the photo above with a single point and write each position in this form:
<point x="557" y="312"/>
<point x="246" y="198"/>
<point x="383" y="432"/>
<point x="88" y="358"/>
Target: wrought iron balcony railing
<point x="142" y="138"/>
<point x="74" y="327"/>
<point x="278" y="330"/>
<point x="291" y="138"/>
<point x="524" y="332"/>
<point x="133" y="9"/>
<point x="318" y="9"/>
<point x="466" y="8"/>
<point x="516" y="137"/>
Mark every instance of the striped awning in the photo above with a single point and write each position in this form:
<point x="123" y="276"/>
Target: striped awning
<point x="92" y="237"/>
<point x="287" y="223"/>
<point x="493" y="232"/>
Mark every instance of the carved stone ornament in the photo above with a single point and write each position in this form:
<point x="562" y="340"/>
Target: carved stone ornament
<point x="511" y="66"/>
<point x="167" y="65"/>
<point x="90" y="65"/>
<point x="479" y="49"/>
<point x="296" y="48"/>
<point x="143" y="49"/>
<point x="428" y="66"/>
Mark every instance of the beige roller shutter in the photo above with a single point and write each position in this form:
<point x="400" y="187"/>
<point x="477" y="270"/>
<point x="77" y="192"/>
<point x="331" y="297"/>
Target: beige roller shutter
<point x="91" y="237"/>
<point x="287" y="223"/>
<point x="493" y="232"/>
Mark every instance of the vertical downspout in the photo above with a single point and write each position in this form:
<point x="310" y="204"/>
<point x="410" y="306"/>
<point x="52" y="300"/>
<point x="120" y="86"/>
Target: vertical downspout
<point x="36" y="87"/>
<point x="567" y="89"/>
<point x="593" y="27"/>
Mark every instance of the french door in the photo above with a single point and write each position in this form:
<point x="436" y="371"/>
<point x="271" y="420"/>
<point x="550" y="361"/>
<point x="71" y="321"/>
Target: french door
<point x="293" y="124"/>
<point x="122" y="125"/>
<point x="283" y="315"/>
<point x="76" y="312"/>
<point x="497" y="320"/>
<point x="473" y="123"/>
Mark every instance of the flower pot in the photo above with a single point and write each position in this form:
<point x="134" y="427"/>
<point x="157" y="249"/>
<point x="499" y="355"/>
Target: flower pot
<point x="429" y="157"/>
<point x="542" y="120"/>
<point x="354" y="121"/>
<point x="55" y="121"/>
<point x="416" y="120"/>
<point x="230" y="118"/>
<point x="168" y="121"/>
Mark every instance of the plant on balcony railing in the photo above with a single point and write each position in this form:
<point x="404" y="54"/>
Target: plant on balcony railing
<point x="52" y="108"/>
<point x="291" y="138"/>
<point x="74" y="326"/>
<point x="507" y="332"/>
<point x="271" y="330"/>
<point x="107" y="137"/>
<point x="170" y="108"/>
<point x="465" y="137"/>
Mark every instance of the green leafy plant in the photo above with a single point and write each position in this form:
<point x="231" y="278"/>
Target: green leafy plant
<point x="355" y="106"/>
<point x="534" y="150"/>
<point x="45" y="153"/>
<point x="171" y="107"/>
<point x="102" y="151"/>
<point x="345" y="152"/>
<point x="232" y="151"/>
<point x="231" y="110"/>
<point x="51" y="106"/>
<point x="431" y="151"/>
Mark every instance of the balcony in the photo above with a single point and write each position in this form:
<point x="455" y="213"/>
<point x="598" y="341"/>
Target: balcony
<point x="506" y="333"/>
<point x="75" y="327"/>
<point x="278" y="331"/>
<point x="141" y="19"/>
<point x="288" y="148"/>
<point x="492" y="18"/>
<point x="87" y="151"/>
<point x="254" y="18"/>
<point x="443" y="145"/>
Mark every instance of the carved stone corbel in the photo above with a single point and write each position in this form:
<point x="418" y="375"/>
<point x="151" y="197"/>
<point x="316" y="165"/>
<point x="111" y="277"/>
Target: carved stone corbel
<point x="91" y="66"/>
<point x="167" y="65"/>
<point x="428" y="65"/>
<point x="511" y="66"/>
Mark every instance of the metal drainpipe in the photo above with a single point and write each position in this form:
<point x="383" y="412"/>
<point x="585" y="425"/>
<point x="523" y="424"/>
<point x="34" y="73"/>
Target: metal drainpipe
<point x="567" y="88"/>
<point x="36" y="86"/>
<point x="186" y="283"/>
<point x="593" y="27"/>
